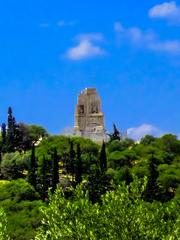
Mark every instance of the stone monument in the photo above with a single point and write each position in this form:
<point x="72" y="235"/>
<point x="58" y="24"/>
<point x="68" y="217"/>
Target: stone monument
<point x="89" y="120"/>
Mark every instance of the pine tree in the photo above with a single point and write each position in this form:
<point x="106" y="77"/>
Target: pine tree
<point x="78" y="169"/>
<point x="115" y="135"/>
<point x="32" y="176"/>
<point x="103" y="158"/>
<point x="55" y="173"/>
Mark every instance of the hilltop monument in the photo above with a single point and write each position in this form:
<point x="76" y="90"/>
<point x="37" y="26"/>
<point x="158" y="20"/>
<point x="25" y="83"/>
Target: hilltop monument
<point x="89" y="120"/>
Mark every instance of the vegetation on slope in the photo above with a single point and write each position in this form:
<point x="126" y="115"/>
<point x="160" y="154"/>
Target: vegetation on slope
<point x="99" y="187"/>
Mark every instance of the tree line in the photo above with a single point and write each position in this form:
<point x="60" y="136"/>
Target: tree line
<point x="19" y="136"/>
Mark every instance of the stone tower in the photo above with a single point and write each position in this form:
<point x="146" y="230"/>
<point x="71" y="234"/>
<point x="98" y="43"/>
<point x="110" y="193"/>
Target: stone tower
<point x="89" y="120"/>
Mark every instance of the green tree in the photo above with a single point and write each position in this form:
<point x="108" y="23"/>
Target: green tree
<point x="169" y="178"/>
<point x="13" y="136"/>
<point x="32" y="173"/>
<point x="127" y="177"/>
<point x="147" y="140"/>
<point x="30" y="134"/>
<point x="55" y="170"/>
<point x="14" y="165"/>
<point x="71" y="160"/>
<point x="44" y="180"/>
<point x="10" y="131"/>
<point x="114" y="145"/>
<point x="119" y="159"/>
<point x="3" y="135"/>
<point x="103" y="158"/>
<point x="36" y="132"/>
<point x="94" y="185"/>
<point x="122" y="214"/>
<point x="170" y="144"/>
<point x="78" y="167"/>
<point x="21" y="203"/>
<point x="152" y="191"/>
<point x="115" y="135"/>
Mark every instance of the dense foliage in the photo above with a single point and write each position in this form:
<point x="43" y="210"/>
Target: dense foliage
<point x="122" y="214"/>
<point x="19" y="136"/>
<point x="33" y="164"/>
<point x="3" y="225"/>
<point x="21" y="204"/>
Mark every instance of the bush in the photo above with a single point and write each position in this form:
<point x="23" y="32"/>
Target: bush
<point x="17" y="190"/>
<point x="122" y="214"/>
<point x="3" y="226"/>
<point x="13" y="165"/>
<point x="20" y="201"/>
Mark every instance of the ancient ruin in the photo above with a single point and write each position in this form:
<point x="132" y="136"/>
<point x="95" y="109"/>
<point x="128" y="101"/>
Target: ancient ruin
<point x="89" y="120"/>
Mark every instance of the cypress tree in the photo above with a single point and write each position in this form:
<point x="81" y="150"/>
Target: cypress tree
<point x="152" y="189"/>
<point x="3" y="134"/>
<point x="55" y="173"/>
<point x="78" y="172"/>
<point x="127" y="176"/>
<point x="71" y="164"/>
<point x="13" y="136"/>
<point x="18" y="138"/>
<point x="44" y="179"/>
<point x="103" y="158"/>
<point x="10" y="131"/>
<point x="98" y="182"/>
<point x="32" y="177"/>
<point x="0" y="157"/>
<point x="10" y="118"/>
<point x="94" y="185"/>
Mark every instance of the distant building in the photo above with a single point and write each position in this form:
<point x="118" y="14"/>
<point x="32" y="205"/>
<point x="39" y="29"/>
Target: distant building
<point x="89" y="120"/>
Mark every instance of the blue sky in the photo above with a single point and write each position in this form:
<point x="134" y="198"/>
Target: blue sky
<point x="128" y="50"/>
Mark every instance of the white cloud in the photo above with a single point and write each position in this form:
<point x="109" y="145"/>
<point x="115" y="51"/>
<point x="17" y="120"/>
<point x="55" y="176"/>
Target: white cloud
<point x="63" y="23"/>
<point x="166" y="10"/>
<point x="98" y="37"/>
<point x="86" y="48"/>
<point x="170" y="46"/>
<point x="138" y="36"/>
<point x="146" y="39"/>
<point x="137" y="133"/>
<point x="133" y="34"/>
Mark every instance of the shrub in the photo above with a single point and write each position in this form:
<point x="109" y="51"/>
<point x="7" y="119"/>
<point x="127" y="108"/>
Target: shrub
<point x="122" y="214"/>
